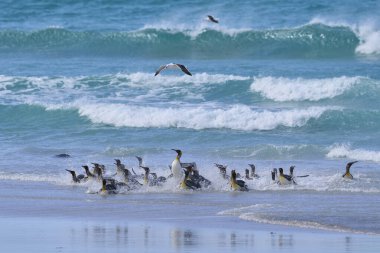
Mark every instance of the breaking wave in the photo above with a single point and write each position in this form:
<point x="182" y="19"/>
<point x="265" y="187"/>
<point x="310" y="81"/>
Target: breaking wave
<point x="309" y="41"/>
<point x="236" y="117"/>
<point x="285" y="89"/>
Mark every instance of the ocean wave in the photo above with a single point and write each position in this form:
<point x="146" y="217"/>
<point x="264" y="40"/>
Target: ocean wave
<point x="369" y="40"/>
<point x="271" y="151"/>
<point x="240" y="210"/>
<point x="142" y="87"/>
<point x="345" y="151"/>
<point x="309" y="41"/>
<point x="299" y="89"/>
<point x="319" y="180"/>
<point x="298" y="223"/>
<point x="147" y="79"/>
<point x="367" y="32"/>
<point x="60" y="179"/>
<point x="137" y="79"/>
<point x="236" y="117"/>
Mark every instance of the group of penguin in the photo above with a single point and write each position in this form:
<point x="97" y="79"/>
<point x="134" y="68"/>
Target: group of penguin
<point x="186" y="175"/>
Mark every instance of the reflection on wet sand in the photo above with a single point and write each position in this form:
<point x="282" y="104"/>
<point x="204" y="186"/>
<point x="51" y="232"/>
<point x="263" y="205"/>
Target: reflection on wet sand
<point x="281" y="240"/>
<point x="182" y="238"/>
<point x="174" y="238"/>
<point x="63" y="236"/>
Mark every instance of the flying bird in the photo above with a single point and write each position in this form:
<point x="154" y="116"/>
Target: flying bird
<point x="212" y="19"/>
<point x="173" y="66"/>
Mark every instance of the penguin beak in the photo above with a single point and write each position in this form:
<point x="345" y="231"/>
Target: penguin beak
<point x="177" y="150"/>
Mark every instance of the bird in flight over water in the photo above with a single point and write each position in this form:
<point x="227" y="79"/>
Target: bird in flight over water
<point x="173" y="66"/>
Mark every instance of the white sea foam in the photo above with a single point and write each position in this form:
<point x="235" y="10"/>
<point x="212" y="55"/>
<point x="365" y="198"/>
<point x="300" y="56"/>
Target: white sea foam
<point x="129" y="79"/>
<point x="345" y="151"/>
<point x="144" y="79"/>
<point x="296" y="223"/>
<point x="240" y="210"/>
<point x="237" y="117"/>
<point x="34" y="177"/>
<point x="195" y="29"/>
<point x="369" y="39"/>
<point x="299" y="89"/>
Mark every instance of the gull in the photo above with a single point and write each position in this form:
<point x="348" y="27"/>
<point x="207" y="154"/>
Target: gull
<point x="173" y="66"/>
<point x="212" y="19"/>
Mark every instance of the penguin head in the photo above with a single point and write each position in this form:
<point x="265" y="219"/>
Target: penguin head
<point x="291" y="169"/>
<point x="139" y="159"/>
<point x="146" y="169"/>
<point x="273" y="175"/>
<point x="281" y="171"/>
<point x="179" y="152"/>
<point x="118" y="162"/>
<point x="348" y="166"/>
<point x="253" y="168"/>
<point x="71" y="172"/>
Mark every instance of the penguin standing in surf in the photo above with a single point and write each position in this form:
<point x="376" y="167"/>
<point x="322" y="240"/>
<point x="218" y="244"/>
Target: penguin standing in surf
<point x="76" y="179"/>
<point x="237" y="185"/>
<point x="187" y="183"/>
<point x="348" y="175"/>
<point x="253" y="171"/>
<point x="222" y="171"/>
<point x="176" y="165"/>
<point x="284" y="179"/>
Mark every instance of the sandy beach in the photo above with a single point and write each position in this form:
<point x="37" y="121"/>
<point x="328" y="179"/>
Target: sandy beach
<point x="178" y="222"/>
<point x="65" y="235"/>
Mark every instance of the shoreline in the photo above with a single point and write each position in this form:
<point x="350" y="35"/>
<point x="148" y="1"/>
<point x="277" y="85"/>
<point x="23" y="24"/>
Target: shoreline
<point x="267" y="210"/>
<point x="74" y="235"/>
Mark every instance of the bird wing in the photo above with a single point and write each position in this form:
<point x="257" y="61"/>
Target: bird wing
<point x="159" y="69"/>
<point x="184" y="69"/>
<point x="220" y="166"/>
<point x="185" y="165"/>
<point x="241" y="183"/>
<point x="289" y="178"/>
<point x="192" y="184"/>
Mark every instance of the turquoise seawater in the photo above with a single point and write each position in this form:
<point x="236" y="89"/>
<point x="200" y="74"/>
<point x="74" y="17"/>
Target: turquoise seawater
<point x="275" y="83"/>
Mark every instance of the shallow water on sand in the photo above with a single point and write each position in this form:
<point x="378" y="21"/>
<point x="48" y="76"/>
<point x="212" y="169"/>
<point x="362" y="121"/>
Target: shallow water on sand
<point x="62" y="235"/>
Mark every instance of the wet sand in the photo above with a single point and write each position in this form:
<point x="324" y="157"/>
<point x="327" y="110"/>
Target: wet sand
<point x="39" y="217"/>
<point x="64" y="235"/>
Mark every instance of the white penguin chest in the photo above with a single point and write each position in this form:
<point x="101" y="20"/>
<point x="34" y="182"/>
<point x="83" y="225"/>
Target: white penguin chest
<point x="176" y="169"/>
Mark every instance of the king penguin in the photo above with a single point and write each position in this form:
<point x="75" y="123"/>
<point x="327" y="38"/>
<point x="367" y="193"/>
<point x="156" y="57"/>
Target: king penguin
<point x="176" y="165"/>
<point x="348" y="175"/>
